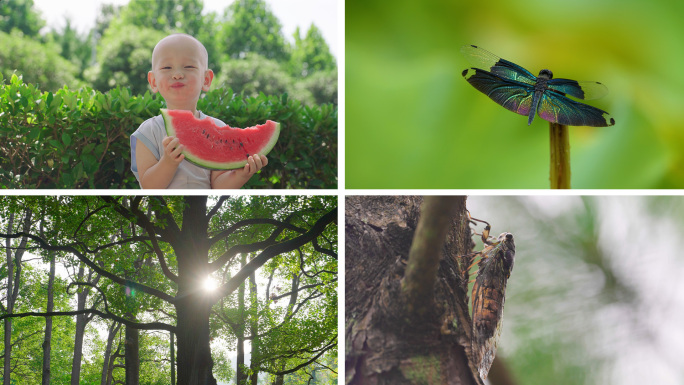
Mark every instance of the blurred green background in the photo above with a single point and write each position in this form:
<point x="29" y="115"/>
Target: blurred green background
<point x="595" y="295"/>
<point x="412" y="121"/>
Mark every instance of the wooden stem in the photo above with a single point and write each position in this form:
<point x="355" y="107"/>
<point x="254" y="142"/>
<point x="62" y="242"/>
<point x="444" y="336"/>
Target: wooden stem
<point x="560" y="156"/>
<point x="418" y="284"/>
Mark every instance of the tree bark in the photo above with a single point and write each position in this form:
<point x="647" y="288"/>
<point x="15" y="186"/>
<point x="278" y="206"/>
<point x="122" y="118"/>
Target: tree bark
<point x="81" y="322"/>
<point x="132" y="355"/>
<point x="47" y="342"/>
<point x="254" y="330"/>
<point x="193" y="306"/>
<point x="172" y="348"/>
<point x="108" y="358"/>
<point x="387" y="341"/>
<point x="13" y="282"/>
<point x="10" y="306"/>
<point x="194" y="355"/>
<point x="240" y="376"/>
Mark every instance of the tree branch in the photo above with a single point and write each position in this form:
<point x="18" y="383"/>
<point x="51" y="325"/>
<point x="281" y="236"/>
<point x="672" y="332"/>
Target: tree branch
<point x="217" y="206"/>
<point x="331" y="344"/>
<point x="144" y="222"/>
<point x="143" y="288"/>
<point x="135" y="325"/>
<point x="418" y="283"/>
<point x="274" y="250"/>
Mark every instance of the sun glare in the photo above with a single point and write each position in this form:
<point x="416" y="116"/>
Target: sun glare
<point x="210" y="284"/>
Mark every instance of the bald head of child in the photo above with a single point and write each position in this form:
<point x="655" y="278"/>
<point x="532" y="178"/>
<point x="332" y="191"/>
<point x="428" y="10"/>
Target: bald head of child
<point x="180" y="71"/>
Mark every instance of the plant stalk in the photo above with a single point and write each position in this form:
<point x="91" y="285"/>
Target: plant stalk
<point x="560" y="156"/>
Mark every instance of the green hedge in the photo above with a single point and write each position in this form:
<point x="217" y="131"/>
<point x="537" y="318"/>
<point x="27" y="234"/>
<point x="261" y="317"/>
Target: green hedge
<point x="80" y="139"/>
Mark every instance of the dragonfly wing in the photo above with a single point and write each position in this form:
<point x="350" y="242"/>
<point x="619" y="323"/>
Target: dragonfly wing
<point x="579" y="90"/>
<point x="557" y="108"/>
<point x="510" y="94"/>
<point x="486" y="60"/>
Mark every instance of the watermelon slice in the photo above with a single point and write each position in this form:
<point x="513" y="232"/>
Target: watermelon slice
<point x="218" y="148"/>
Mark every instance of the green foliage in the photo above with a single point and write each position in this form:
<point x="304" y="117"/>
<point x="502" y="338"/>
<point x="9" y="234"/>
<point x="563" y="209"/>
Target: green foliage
<point x="39" y="64"/>
<point x="168" y="15"/>
<point x="322" y="86"/>
<point x="252" y="27"/>
<point x="28" y="333"/>
<point x="20" y="15"/>
<point x="77" y="139"/>
<point x="73" y="47"/>
<point x="124" y="57"/>
<point x="254" y="74"/>
<point x="90" y="223"/>
<point x="311" y="54"/>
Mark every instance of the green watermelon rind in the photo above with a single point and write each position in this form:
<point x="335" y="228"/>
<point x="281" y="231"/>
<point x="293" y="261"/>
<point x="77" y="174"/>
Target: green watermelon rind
<point x="210" y="165"/>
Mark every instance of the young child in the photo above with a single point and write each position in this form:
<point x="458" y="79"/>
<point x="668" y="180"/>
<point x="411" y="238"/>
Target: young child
<point x="180" y="73"/>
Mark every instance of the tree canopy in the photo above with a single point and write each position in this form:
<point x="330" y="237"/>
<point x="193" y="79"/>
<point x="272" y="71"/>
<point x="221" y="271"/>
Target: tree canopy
<point x="186" y="279"/>
<point x="117" y="51"/>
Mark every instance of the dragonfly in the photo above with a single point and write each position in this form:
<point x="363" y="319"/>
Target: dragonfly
<point x="517" y="90"/>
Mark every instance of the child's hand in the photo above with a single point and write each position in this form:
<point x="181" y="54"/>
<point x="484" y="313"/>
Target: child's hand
<point x="172" y="151"/>
<point x="237" y="178"/>
<point x="254" y="164"/>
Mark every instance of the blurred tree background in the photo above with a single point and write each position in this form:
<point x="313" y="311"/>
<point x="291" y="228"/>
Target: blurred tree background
<point x="403" y="78"/>
<point x="245" y="43"/>
<point x="596" y="295"/>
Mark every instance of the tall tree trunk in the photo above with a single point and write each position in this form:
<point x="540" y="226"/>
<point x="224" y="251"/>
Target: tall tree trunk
<point x="386" y="342"/>
<point x="47" y="342"/>
<point x="13" y="283"/>
<point x="193" y="306"/>
<point x="132" y="356"/>
<point x="113" y="331"/>
<point x="10" y="306"/>
<point x="240" y="375"/>
<point x="194" y="354"/>
<point x="254" y="330"/>
<point x="294" y="290"/>
<point x="172" y="347"/>
<point x="81" y="322"/>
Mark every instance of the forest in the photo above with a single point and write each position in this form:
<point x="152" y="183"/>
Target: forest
<point x="165" y="290"/>
<point x="247" y="49"/>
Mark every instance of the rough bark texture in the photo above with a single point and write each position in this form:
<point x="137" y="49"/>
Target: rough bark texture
<point x="384" y="344"/>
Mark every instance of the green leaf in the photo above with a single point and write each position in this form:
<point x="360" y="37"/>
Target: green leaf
<point x="66" y="139"/>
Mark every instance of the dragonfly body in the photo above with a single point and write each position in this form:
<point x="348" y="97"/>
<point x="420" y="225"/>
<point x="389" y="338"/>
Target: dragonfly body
<point x="516" y="89"/>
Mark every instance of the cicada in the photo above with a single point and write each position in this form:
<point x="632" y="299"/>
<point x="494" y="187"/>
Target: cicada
<point x="489" y="294"/>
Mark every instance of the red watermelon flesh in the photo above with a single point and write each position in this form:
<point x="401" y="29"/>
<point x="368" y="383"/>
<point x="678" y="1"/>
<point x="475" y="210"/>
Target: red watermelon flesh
<point x="218" y="148"/>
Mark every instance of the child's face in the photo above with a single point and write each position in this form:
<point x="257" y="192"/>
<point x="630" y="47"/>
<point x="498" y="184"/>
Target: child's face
<point x="179" y="72"/>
